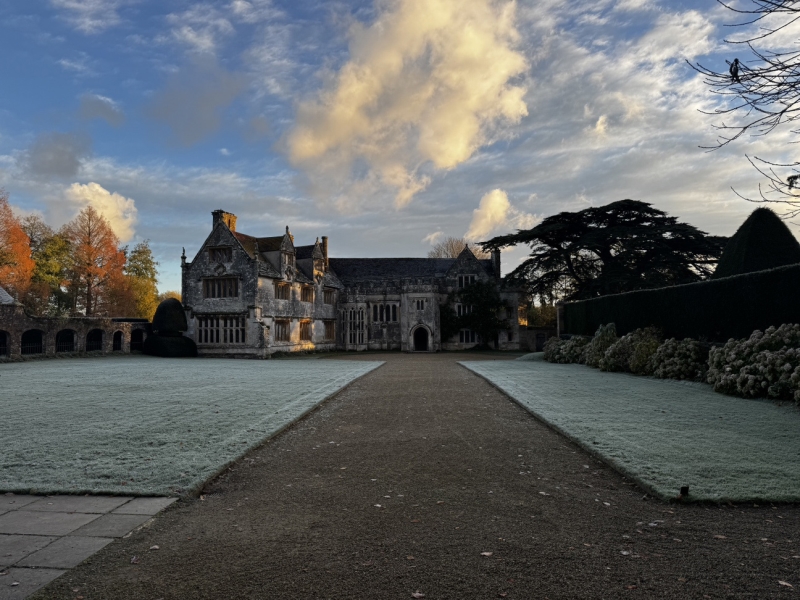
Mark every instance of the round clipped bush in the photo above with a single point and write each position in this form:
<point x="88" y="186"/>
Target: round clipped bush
<point x="169" y="346"/>
<point x="595" y="350"/>
<point x="170" y="320"/>
<point x="565" y="351"/>
<point x="763" y="365"/>
<point x="632" y="352"/>
<point x="681" y="359"/>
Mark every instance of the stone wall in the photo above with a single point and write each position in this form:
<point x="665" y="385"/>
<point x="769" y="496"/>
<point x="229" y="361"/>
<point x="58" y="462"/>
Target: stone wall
<point x="72" y="333"/>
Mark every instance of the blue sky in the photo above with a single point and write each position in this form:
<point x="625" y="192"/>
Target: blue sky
<point x="385" y="125"/>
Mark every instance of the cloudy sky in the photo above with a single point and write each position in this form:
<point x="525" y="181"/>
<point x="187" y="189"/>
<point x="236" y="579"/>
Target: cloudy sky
<point x="384" y="124"/>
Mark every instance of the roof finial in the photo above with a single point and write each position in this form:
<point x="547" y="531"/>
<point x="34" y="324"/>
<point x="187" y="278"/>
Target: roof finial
<point x="287" y="229"/>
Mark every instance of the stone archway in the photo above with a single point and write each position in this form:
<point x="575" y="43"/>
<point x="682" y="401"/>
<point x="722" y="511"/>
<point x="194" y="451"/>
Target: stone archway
<point x="422" y="339"/>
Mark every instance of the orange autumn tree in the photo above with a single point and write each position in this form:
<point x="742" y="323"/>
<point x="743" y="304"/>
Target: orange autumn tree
<point x="96" y="283"/>
<point x="16" y="265"/>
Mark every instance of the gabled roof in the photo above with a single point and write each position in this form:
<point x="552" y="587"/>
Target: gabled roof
<point x="5" y="297"/>
<point x="311" y="251"/>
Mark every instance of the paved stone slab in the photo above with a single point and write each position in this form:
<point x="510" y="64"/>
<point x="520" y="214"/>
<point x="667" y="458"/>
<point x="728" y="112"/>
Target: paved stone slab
<point x="27" y="580"/>
<point x="80" y="504"/>
<point x="43" y="523"/>
<point x="14" y="501"/>
<point x="144" y="506"/>
<point x="14" y="548"/>
<point x="111" y="525"/>
<point x="66" y="552"/>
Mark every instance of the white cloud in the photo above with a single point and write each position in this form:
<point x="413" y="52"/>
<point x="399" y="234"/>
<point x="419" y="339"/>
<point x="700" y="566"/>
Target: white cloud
<point x="94" y="106"/>
<point x="427" y="84"/>
<point x="434" y="237"/>
<point x="90" y="16"/>
<point x="201" y="28"/>
<point x="120" y="211"/>
<point x="494" y="214"/>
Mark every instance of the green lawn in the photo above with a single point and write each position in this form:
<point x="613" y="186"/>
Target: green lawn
<point x="148" y="426"/>
<point x="665" y="434"/>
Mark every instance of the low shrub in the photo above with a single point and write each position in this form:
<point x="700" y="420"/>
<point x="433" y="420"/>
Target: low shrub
<point x="767" y="364"/>
<point x="565" y="351"/>
<point x="603" y="339"/>
<point x="680" y="359"/>
<point x="632" y="352"/>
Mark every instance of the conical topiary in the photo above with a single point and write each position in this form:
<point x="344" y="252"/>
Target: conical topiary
<point x="762" y="242"/>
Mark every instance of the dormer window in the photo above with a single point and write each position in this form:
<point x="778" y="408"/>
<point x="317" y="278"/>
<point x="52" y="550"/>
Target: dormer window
<point x="288" y="259"/>
<point x="220" y="254"/>
<point x="466" y="280"/>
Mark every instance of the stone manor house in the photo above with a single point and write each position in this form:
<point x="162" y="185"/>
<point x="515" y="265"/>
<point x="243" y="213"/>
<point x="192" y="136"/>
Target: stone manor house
<point x="252" y="296"/>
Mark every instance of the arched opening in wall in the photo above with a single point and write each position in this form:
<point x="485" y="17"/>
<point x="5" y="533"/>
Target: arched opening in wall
<point x="117" y="341"/>
<point x="137" y="340"/>
<point x="94" y="340"/>
<point x="31" y="342"/>
<point x="5" y="348"/>
<point x="65" y="341"/>
<point x="420" y="339"/>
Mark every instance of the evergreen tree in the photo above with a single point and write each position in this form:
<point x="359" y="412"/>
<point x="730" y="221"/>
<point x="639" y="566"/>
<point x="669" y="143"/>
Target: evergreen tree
<point x="623" y="246"/>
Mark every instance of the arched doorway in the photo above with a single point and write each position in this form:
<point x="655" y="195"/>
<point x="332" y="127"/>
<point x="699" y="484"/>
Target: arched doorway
<point x="420" y="339"/>
<point x="94" y="340"/>
<point x="65" y="341"/>
<point x="117" y="341"/>
<point x="137" y="340"/>
<point x="31" y="342"/>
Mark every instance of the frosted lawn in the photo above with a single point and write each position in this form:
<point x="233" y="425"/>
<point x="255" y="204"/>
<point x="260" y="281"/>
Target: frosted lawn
<point x="663" y="433"/>
<point x="149" y="426"/>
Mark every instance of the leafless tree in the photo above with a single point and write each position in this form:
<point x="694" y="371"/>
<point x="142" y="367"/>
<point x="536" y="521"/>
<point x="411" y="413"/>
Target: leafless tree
<point x="451" y="247"/>
<point x="764" y="93"/>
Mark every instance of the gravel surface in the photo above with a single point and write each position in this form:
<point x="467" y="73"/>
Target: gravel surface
<point x="664" y="433"/>
<point x="139" y="425"/>
<point x="422" y="477"/>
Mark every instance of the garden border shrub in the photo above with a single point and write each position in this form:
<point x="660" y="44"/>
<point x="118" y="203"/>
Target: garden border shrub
<point x="717" y="309"/>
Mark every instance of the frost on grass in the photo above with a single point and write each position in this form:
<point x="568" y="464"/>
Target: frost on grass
<point x="148" y="426"/>
<point x="666" y="434"/>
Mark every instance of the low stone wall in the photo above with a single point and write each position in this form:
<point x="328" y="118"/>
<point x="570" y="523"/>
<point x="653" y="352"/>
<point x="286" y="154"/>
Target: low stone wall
<point x="23" y="336"/>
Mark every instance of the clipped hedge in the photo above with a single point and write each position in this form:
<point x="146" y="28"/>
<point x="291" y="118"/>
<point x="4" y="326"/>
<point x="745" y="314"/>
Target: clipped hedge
<point x="718" y="309"/>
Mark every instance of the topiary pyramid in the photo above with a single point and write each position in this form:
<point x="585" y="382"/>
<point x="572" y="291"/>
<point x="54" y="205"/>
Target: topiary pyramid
<point x="167" y="338"/>
<point x="762" y="242"/>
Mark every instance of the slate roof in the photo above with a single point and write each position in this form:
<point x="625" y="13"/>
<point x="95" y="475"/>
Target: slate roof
<point x="303" y="252"/>
<point x="265" y="244"/>
<point x="361" y="269"/>
<point x="366" y="269"/>
<point x="5" y="297"/>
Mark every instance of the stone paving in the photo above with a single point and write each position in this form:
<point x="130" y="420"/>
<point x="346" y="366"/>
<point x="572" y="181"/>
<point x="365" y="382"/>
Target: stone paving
<point x="43" y="536"/>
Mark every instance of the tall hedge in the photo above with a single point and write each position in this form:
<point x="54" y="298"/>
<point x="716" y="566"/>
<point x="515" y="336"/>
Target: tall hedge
<point x="762" y="242"/>
<point x="716" y="309"/>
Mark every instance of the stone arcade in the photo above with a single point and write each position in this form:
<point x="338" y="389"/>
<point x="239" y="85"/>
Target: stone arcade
<point x="253" y="296"/>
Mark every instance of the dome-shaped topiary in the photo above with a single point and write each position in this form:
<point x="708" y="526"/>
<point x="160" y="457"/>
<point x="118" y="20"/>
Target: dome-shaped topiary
<point x="762" y="242"/>
<point x="170" y="320"/>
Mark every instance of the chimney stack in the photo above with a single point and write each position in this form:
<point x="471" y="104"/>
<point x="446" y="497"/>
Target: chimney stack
<point x="225" y="217"/>
<point x="325" y="249"/>
<point x="496" y="263"/>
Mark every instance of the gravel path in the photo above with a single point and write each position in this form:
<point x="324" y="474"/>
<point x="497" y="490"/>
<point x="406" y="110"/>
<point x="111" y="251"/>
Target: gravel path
<point x="421" y="477"/>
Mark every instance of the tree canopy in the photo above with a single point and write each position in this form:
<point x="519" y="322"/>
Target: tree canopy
<point x="623" y="246"/>
<point x="762" y="91"/>
<point x="16" y="265"/>
<point x="451" y="247"/>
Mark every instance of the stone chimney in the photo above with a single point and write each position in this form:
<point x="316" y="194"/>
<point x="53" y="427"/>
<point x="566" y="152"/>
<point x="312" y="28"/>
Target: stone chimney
<point x="325" y="249"/>
<point x="225" y="217"/>
<point x="496" y="263"/>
